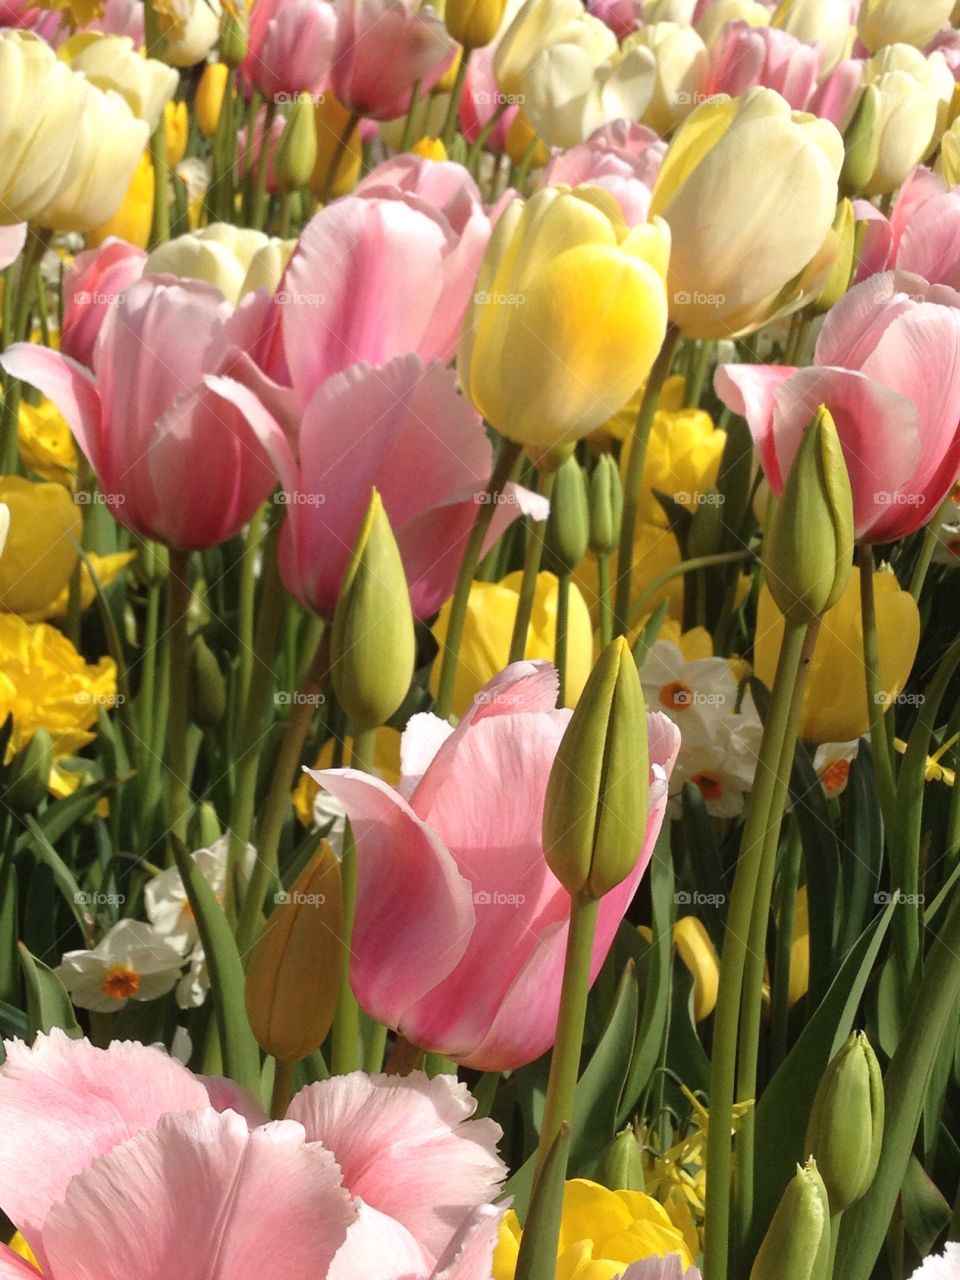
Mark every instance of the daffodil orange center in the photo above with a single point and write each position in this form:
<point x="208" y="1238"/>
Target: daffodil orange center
<point x="835" y="775"/>
<point x="676" y="696"/>
<point x="120" y="983"/>
<point x="711" y="788"/>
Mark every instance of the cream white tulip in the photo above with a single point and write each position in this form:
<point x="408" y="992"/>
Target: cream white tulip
<point x="235" y="260"/>
<point x="538" y="26"/>
<point x="682" y="71"/>
<point x="711" y="25"/>
<point x="915" y="22"/>
<point x="112" y="62"/>
<point x="913" y="93"/>
<point x="823" y="23"/>
<point x="681" y="11"/>
<point x="190" y="30"/>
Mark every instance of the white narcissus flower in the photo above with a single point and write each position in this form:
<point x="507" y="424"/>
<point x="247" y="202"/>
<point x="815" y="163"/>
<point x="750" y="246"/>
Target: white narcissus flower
<point x="719" y="744"/>
<point x="112" y="62"/>
<point x="130" y="962"/>
<point x="944" y="1266"/>
<point x="165" y="897"/>
<point x="236" y="260"/>
<point x="832" y="762"/>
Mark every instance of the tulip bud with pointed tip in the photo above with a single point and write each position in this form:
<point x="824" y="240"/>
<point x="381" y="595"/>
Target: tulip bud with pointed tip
<point x="29" y="775"/>
<point x="234" y="35"/>
<point x="809" y="551"/>
<point x="568" y="524"/>
<point x="797" y="1244"/>
<point x="297" y="149"/>
<point x="208" y="703"/>
<point x="373" y="647"/>
<point x="595" y="810"/>
<point x="861" y="143"/>
<point x="606" y="505"/>
<point x="293" y="978"/>
<point x="838" y="281"/>
<point x="845" y="1130"/>
<point x="621" y="1165"/>
<point x="473" y="23"/>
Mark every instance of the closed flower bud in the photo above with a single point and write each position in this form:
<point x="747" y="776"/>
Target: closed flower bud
<point x="234" y="35"/>
<point x="474" y="23"/>
<point x="845" y="229"/>
<point x="176" y="131"/>
<point x="29" y="774"/>
<point x="297" y="150"/>
<point x="372" y="648"/>
<point x="809" y="549"/>
<point x="209" y="97"/>
<point x="595" y="811"/>
<point x="846" y="1124"/>
<point x="208" y="703"/>
<point x="696" y="950"/>
<point x="621" y="1165"/>
<point x="707" y="526"/>
<point x="293" y="977"/>
<point x="568" y="525"/>
<point x="606" y="505"/>
<point x="797" y="1244"/>
<point x="861" y="143"/>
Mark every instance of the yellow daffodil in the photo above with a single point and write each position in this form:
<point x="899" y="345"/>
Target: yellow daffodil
<point x="106" y="569"/>
<point x="600" y="1231"/>
<point x="42" y="544"/>
<point x="835" y="702"/>
<point x="46" y="443"/>
<point x="485" y="647"/>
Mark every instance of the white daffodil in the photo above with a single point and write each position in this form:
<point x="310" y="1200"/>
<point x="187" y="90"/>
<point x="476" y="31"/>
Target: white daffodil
<point x="832" y="762"/>
<point x="944" y="1266"/>
<point x="165" y="897"/>
<point x="130" y="962"/>
<point x="193" y="986"/>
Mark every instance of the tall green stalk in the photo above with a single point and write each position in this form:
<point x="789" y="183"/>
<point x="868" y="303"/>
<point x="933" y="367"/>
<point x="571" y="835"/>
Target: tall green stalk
<point x="178" y="717"/>
<point x="533" y="554"/>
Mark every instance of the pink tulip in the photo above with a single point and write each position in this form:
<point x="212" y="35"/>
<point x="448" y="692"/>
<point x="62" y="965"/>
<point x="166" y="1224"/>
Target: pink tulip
<point x="461" y="926"/>
<point x="383" y="48"/>
<point x="921" y="235"/>
<point x="93" y="282"/>
<point x="746" y="56"/>
<point x="887" y="366"/>
<point x="374" y="277"/>
<point x="623" y="157"/>
<point x="12" y="239"/>
<point x="482" y="99"/>
<point x="621" y="16"/>
<point x="290" y="49"/>
<point x="366" y="1178"/>
<point x="836" y="97"/>
<point x="174" y="459"/>
<point x="249" y="152"/>
<point x="405" y="429"/>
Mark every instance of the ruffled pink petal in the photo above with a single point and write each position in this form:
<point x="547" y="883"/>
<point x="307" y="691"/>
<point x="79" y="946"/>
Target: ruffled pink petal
<point x="407" y="1147"/>
<point x="12" y="240"/>
<point x="379" y="1248"/>
<point x="73" y="1103"/>
<point x="470" y="1255"/>
<point x="750" y="391"/>
<point x="202" y="1196"/>
<point x="69" y="386"/>
<point x="414" y="909"/>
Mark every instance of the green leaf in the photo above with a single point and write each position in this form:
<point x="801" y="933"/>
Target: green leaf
<point x="9" y="931"/>
<point x="48" y="1004"/>
<point x="63" y="877"/>
<point x="926" y="1212"/>
<point x="784" y="1106"/>
<point x="537" y="1259"/>
<point x="862" y="848"/>
<point x="821" y="860"/>
<point x="706" y="865"/>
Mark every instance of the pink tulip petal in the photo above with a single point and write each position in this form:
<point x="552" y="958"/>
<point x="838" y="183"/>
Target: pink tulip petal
<point x="227" y="1095"/>
<point x="922" y="185"/>
<point x="470" y="1255"/>
<point x="392" y="964"/>
<point x="265" y="426"/>
<point x="856" y="324"/>
<point x="68" y="385"/>
<point x="379" y="1248"/>
<point x="876" y="247"/>
<point x="750" y="390"/>
<point x="930" y="245"/>
<point x="123" y="1089"/>
<point x="13" y="1267"/>
<point x="12" y="240"/>
<point x="407" y="1147"/>
<point x="201" y="1196"/>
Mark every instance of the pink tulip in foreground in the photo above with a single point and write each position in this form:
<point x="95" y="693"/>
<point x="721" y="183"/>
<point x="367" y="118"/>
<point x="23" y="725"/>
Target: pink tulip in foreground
<point x="887" y="366"/>
<point x="175" y="461"/>
<point x="95" y="279"/>
<point x="461" y="926"/>
<point x="147" y="1170"/>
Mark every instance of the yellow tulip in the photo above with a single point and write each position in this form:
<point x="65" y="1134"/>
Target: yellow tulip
<point x="449" y="78"/>
<point x="133" y="220"/>
<point x="105" y="568"/>
<point x="749" y="191"/>
<point x="485" y="648"/>
<point x="235" y="259"/>
<point x="883" y="22"/>
<point x="714" y="21"/>
<point x="539" y="25"/>
<point x="696" y="950"/>
<point x="46" y="444"/>
<point x="600" y="1230"/>
<point x="208" y="100"/>
<point x="332" y="120"/>
<point x="522" y="139"/>
<point x="835" y="703"/>
<point x="474" y="23"/>
<point x="655" y="551"/>
<point x="948" y="160"/>
<point x="683" y="461"/>
<point x="568" y="317"/>
<point x="176" y="128"/>
<point x="42" y="544"/>
<point x="430" y="149"/>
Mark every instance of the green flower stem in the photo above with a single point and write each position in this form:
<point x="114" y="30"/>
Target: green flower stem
<point x="876" y="705"/>
<point x="866" y="1223"/>
<point x="376" y="1048"/>
<point x="565" y="1059"/>
<point x="734" y="957"/>
<point x="931" y="536"/>
<point x="450" y="124"/>
<point x="277" y="803"/>
<point x="633" y="482"/>
<point x="476" y="150"/>
<point x="603" y="592"/>
<point x="563" y="626"/>
<point x="642" y="602"/>
<point x="780" y="993"/>
<point x="178" y="717"/>
<point x="256" y="711"/>
<point x="752" y="991"/>
<point x="260" y="200"/>
<point x="528" y="580"/>
<point x="282" y="1089"/>
<point x="225" y="153"/>
<point x="407" y="138"/>
<point x="503" y="469"/>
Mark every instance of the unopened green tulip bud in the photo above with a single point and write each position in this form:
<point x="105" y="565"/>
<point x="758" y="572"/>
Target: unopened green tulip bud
<point x="706" y="528"/>
<point x="606" y="505"/>
<point x="621" y="1165"/>
<point x="234" y="35"/>
<point x="29" y="775"/>
<point x="595" y="811"/>
<point x="861" y="143"/>
<point x="208" y="687"/>
<point x="297" y="151"/>
<point x="372" y="648"/>
<point x="846" y="1124"/>
<point x="797" y="1244"/>
<point x="838" y="281"/>
<point x="809" y="548"/>
<point x="568" y="525"/>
